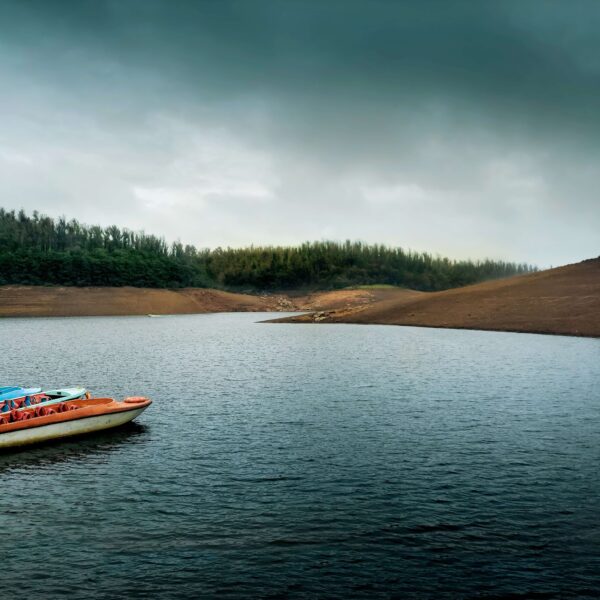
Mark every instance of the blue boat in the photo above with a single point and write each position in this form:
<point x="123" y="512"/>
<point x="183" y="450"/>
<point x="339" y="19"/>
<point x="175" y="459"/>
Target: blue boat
<point x="12" y="392"/>
<point x="14" y="397"/>
<point x="19" y="398"/>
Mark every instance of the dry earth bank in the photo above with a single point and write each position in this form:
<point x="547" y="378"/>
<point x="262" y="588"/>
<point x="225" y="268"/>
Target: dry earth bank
<point x="39" y="301"/>
<point x="565" y="300"/>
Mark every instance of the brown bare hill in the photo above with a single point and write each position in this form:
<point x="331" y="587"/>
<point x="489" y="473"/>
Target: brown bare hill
<point x="34" y="301"/>
<point x="41" y="301"/>
<point x="565" y="300"/>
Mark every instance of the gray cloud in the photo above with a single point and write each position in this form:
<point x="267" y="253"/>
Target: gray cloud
<point x="463" y="128"/>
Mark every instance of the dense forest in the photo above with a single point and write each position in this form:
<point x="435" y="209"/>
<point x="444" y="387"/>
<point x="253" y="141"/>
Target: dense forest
<point x="39" y="250"/>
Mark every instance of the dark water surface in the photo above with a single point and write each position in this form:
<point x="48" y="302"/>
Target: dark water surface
<point x="306" y="461"/>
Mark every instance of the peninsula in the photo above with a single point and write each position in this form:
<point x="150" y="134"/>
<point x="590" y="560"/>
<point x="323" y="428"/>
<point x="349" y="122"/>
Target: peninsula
<point x="562" y="301"/>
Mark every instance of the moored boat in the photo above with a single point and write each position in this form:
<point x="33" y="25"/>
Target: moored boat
<point x="65" y="394"/>
<point x="19" y="398"/>
<point x="48" y="398"/>
<point x="41" y="423"/>
<point x="15" y="396"/>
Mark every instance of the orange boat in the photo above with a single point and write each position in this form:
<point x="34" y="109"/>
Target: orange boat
<point x="75" y="417"/>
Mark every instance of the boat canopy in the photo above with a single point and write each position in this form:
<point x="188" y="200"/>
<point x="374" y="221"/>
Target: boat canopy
<point x="12" y="392"/>
<point x="10" y="388"/>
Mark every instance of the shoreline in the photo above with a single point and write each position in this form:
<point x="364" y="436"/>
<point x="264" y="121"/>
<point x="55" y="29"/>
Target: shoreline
<point x="560" y="301"/>
<point x="296" y="320"/>
<point x="62" y="301"/>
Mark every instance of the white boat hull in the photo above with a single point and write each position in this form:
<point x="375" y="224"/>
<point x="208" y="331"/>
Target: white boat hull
<point x="43" y="433"/>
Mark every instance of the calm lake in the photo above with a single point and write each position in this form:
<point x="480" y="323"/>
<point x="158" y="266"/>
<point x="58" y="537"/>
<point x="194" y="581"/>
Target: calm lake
<point x="317" y="461"/>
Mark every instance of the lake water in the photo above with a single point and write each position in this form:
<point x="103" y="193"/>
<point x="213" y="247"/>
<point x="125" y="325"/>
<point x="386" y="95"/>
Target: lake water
<point x="306" y="461"/>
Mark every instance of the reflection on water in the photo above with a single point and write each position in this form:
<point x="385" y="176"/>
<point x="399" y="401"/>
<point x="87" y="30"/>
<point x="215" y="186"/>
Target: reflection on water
<point x="302" y="461"/>
<point x="70" y="449"/>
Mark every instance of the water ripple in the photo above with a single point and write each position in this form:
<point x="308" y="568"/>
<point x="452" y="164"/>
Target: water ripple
<point x="307" y="462"/>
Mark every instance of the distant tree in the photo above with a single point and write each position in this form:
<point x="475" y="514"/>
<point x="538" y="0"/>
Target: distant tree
<point x="39" y="250"/>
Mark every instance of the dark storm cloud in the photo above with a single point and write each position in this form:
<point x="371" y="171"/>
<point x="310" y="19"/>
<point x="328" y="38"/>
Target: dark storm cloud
<point x="460" y="127"/>
<point x="539" y="57"/>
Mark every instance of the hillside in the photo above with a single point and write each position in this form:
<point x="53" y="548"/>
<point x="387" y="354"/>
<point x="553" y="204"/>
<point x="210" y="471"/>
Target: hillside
<point x="565" y="300"/>
<point x="40" y="301"/>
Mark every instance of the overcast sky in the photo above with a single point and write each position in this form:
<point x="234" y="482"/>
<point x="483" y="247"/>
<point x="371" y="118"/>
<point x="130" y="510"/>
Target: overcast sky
<point x="468" y="129"/>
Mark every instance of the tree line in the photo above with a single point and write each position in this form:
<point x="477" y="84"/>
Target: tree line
<point x="38" y="250"/>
